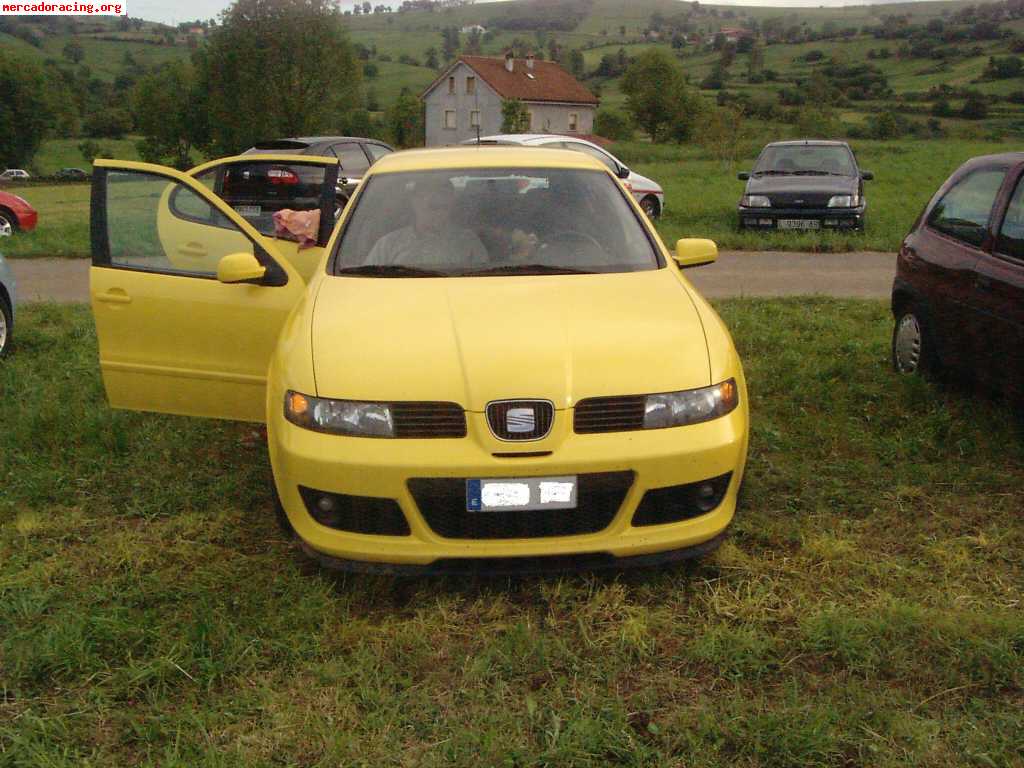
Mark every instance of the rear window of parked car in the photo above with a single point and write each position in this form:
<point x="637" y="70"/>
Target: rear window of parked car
<point x="964" y="210"/>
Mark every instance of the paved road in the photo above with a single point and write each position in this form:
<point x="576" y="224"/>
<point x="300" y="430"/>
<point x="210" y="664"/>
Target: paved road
<point x="736" y="273"/>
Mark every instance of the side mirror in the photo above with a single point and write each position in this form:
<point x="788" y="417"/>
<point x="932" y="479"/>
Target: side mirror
<point x="867" y="175"/>
<point x="240" y="268"/>
<point x="742" y="175"/>
<point x="695" y="252"/>
<point x="623" y="172"/>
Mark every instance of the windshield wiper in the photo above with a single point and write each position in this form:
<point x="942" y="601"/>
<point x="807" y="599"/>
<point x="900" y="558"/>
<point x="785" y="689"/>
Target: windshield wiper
<point x="772" y="172"/>
<point x="389" y="270"/>
<point x="526" y="269"/>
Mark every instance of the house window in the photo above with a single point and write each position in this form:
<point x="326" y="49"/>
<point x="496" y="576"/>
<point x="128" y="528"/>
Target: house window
<point x="474" y="118"/>
<point x="470" y="85"/>
<point x="533" y="120"/>
<point x="451" y="85"/>
<point x="449" y="119"/>
<point x="574" y="122"/>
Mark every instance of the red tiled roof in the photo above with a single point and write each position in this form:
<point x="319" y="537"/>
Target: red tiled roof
<point x="549" y="82"/>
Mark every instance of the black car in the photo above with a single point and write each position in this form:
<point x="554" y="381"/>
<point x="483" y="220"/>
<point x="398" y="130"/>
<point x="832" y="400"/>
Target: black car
<point x="806" y="184"/>
<point x="71" y="174"/>
<point x="355" y="155"/>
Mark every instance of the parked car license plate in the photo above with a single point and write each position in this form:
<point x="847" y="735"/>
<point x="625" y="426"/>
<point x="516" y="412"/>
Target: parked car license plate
<point x="799" y="224"/>
<point x="512" y="494"/>
<point x="249" y="211"/>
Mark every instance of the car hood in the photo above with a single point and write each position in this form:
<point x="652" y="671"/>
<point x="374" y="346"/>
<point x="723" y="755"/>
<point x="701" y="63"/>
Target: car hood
<point x="642" y="183"/>
<point x="825" y="185"/>
<point x="473" y="340"/>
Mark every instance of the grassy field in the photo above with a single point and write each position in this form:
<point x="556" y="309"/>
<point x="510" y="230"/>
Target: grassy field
<point x="865" y="611"/>
<point x="701" y="193"/>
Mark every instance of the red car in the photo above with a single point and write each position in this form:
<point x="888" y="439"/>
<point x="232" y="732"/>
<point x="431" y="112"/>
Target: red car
<point x="958" y="297"/>
<point x="16" y="215"/>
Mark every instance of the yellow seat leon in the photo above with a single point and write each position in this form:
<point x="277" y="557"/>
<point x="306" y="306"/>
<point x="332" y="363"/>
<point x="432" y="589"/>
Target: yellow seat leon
<point x="494" y="365"/>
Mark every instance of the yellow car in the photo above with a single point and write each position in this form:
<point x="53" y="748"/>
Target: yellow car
<point x="494" y="365"/>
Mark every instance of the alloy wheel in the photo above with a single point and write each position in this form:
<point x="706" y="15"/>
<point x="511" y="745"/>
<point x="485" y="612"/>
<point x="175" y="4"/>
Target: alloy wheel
<point x="6" y="228"/>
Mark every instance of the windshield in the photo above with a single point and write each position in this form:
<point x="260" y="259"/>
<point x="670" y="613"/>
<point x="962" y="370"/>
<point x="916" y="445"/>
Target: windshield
<point x="806" y="159"/>
<point x="461" y="222"/>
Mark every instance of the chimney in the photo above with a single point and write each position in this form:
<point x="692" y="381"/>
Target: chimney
<point x="509" y="61"/>
<point x="529" y="60"/>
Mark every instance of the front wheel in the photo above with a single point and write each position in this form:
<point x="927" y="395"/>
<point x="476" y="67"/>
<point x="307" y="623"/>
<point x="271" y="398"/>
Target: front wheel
<point x="912" y="347"/>
<point x="650" y="207"/>
<point x="6" y="325"/>
<point x="8" y="224"/>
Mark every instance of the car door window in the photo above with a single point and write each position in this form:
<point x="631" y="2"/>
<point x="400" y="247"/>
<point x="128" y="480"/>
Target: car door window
<point x="593" y="152"/>
<point x="1011" y="233"/>
<point x="377" y="151"/>
<point x="352" y="157"/>
<point x="158" y="225"/>
<point x="963" y="212"/>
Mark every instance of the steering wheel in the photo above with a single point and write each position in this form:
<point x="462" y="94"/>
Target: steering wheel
<point x="571" y="236"/>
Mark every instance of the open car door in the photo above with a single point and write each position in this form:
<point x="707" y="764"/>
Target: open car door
<point x="257" y="186"/>
<point x="189" y="299"/>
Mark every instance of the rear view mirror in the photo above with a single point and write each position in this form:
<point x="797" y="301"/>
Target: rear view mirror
<point x="695" y="252"/>
<point x="742" y="175"/>
<point x="240" y="268"/>
<point x="623" y="172"/>
<point x="867" y="175"/>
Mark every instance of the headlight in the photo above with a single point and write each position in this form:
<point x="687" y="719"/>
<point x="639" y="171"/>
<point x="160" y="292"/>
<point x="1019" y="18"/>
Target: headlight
<point x="691" y="406"/>
<point x="340" y="417"/>
<point x="844" y="201"/>
<point x="755" y="201"/>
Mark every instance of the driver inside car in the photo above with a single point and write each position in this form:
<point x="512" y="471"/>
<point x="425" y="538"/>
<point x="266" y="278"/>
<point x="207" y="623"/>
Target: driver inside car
<point x="433" y="238"/>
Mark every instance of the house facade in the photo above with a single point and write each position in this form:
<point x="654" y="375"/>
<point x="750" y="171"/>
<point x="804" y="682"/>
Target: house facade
<point x="468" y="95"/>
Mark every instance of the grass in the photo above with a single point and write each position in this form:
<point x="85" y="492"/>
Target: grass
<point x="63" y="228"/>
<point x="865" y="611"/>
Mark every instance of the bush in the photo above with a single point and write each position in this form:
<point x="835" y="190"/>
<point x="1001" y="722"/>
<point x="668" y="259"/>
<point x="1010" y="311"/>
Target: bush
<point x="975" y="107"/>
<point x="613" y="125"/>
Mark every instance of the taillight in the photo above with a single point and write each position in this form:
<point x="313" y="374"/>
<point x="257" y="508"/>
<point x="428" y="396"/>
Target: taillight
<point x="282" y="176"/>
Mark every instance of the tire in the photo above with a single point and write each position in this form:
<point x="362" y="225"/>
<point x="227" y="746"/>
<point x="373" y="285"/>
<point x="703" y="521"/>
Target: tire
<point x="6" y="324"/>
<point x="650" y="207"/>
<point x="8" y="223"/>
<point x="339" y="206"/>
<point x="913" y="345"/>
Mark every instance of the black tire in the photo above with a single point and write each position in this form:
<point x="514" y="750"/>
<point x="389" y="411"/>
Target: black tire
<point x="6" y="324"/>
<point x="651" y="207"/>
<point x="8" y="221"/>
<point x="913" y="344"/>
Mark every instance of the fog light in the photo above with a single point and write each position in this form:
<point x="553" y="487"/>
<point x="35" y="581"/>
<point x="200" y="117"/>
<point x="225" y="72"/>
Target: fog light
<point x="325" y="504"/>
<point x="707" y="497"/>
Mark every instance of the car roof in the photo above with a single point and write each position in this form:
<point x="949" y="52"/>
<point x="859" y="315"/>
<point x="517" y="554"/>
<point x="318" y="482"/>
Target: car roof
<point x="808" y="143"/>
<point x="290" y="142"/>
<point x="1010" y="158"/>
<point x="526" y="138"/>
<point x="485" y="156"/>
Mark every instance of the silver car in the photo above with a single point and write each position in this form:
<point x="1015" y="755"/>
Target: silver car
<point x="647" y="192"/>
<point x="6" y="306"/>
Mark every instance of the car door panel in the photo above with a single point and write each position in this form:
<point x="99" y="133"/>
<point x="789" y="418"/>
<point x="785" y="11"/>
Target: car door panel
<point x="301" y="183"/>
<point x="172" y="338"/>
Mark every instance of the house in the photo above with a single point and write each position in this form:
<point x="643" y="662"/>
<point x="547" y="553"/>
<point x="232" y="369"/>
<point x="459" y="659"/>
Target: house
<point x="481" y="30"/>
<point x="733" y="34"/>
<point x="465" y="101"/>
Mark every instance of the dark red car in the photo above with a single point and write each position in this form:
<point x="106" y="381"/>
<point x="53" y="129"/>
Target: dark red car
<point x="958" y="297"/>
<point x="16" y="215"/>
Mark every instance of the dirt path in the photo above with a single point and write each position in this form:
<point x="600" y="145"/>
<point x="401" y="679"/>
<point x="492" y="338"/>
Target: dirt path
<point x="736" y="273"/>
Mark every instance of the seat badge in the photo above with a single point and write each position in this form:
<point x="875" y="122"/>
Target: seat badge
<point x="520" y="420"/>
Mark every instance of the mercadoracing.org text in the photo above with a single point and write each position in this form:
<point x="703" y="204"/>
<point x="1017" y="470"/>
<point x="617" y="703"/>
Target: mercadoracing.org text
<point x="63" y="9"/>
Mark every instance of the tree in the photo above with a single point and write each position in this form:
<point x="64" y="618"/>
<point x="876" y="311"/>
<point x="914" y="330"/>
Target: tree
<point x="613" y="125"/>
<point x="658" y="97"/>
<point x="975" y="107"/>
<point x="26" y="113"/>
<point x="276" y="68"/>
<point x="515" y="118"/>
<point x="450" y="42"/>
<point x="405" y="120"/>
<point x="577" y="66"/>
<point x="90" y="150"/>
<point x="170" y="114"/>
<point x="430" y="58"/>
<point x="73" y="51"/>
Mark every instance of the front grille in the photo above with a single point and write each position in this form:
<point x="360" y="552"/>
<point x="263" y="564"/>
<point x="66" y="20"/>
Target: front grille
<point x="428" y="420"/>
<point x="355" y="514"/>
<point x="680" y="502"/>
<point x="800" y="200"/>
<point x="609" y="414"/>
<point x="520" y="419"/>
<point x="442" y="502"/>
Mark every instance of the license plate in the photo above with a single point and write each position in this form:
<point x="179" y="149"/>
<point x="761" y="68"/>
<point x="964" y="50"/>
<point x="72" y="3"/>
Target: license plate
<point x="514" y="495"/>
<point x="799" y="224"/>
<point x="249" y="211"/>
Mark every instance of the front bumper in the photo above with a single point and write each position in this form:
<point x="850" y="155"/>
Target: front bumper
<point x="384" y="468"/>
<point x="27" y="220"/>
<point x="827" y="218"/>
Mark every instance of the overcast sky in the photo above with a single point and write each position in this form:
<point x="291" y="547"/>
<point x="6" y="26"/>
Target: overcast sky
<point x="187" y="10"/>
